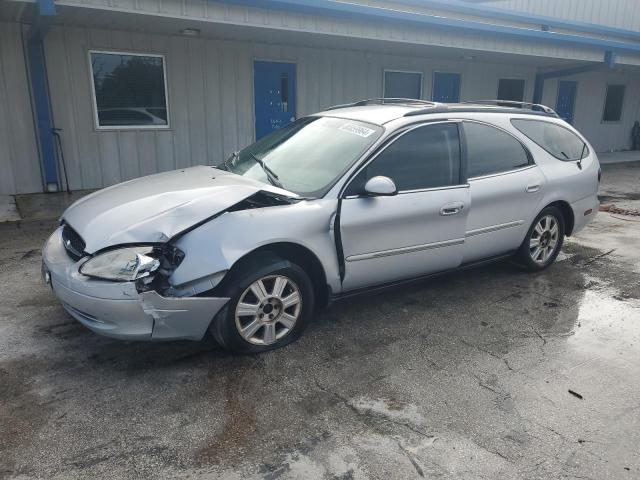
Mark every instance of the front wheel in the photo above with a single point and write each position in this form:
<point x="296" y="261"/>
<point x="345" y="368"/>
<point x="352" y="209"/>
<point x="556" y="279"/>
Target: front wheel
<point x="544" y="240"/>
<point x="269" y="308"/>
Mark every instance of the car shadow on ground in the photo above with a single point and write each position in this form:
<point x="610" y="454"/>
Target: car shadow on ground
<point x="497" y="297"/>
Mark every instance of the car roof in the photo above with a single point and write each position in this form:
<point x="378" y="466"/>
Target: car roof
<point x="381" y="111"/>
<point x="378" y="114"/>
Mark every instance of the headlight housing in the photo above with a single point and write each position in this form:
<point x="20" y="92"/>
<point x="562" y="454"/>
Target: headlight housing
<point x="122" y="265"/>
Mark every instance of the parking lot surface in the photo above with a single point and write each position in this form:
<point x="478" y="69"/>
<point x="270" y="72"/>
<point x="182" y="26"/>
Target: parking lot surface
<point x="490" y="373"/>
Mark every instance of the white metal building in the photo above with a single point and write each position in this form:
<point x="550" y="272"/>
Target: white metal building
<point x="134" y="87"/>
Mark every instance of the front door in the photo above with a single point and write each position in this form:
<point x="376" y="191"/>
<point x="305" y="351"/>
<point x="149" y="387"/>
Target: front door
<point x="566" y="99"/>
<point x="446" y="87"/>
<point x="274" y="85"/>
<point x="421" y="229"/>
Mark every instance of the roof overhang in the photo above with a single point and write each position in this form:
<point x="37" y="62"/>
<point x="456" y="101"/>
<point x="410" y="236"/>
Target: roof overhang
<point x="360" y="12"/>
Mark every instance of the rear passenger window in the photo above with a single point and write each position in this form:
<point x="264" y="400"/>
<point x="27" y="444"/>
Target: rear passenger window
<point x="490" y="150"/>
<point x="555" y="139"/>
<point x="426" y="157"/>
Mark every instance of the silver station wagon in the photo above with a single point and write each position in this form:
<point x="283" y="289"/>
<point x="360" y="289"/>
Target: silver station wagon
<point x="358" y="197"/>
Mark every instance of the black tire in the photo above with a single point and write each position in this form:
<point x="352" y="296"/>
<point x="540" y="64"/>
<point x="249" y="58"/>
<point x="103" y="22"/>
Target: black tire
<point x="526" y="251"/>
<point x="224" y="328"/>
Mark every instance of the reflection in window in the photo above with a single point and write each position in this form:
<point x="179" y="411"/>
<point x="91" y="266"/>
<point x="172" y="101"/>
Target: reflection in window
<point x="129" y="90"/>
<point x="490" y="150"/>
<point x="426" y="157"/>
<point x="558" y="141"/>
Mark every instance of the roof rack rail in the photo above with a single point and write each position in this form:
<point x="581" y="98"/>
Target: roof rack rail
<point x="479" y="106"/>
<point x="384" y="101"/>
<point x="538" y="107"/>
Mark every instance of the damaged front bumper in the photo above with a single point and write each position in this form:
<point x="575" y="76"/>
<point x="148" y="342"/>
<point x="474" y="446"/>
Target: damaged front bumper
<point x="117" y="309"/>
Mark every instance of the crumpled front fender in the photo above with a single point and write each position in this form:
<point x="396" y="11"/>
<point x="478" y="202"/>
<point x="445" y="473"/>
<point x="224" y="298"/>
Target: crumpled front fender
<point x="186" y="318"/>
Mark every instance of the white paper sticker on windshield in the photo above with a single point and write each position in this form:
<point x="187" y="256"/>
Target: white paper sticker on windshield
<point x="356" y="130"/>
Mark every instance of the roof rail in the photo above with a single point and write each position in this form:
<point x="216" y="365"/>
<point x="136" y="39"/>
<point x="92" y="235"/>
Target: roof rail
<point x="512" y="103"/>
<point x="493" y="106"/>
<point x="384" y="101"/>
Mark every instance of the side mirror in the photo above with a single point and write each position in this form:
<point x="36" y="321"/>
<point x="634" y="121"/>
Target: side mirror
<point x="380" y="187"/>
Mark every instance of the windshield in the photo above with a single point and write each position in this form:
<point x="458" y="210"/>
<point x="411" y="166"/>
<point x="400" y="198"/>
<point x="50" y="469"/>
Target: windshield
<point x="307" y="156"/>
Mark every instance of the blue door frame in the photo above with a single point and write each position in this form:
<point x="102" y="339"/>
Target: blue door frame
<point x="274" y="85"/>
<point x="566" y="101"/>
<point x="446" y="87"/>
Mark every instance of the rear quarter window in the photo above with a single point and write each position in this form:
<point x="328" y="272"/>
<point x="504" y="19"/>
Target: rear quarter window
<point x="559" y="141"/>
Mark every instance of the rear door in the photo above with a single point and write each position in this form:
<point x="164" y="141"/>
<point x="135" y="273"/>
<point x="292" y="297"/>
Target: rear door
<point x="421" y="229"/>
<point x="505" y="187"/>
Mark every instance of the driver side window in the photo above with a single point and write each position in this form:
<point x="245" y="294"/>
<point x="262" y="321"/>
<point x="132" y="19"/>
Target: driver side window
<point x="425" y="157"/>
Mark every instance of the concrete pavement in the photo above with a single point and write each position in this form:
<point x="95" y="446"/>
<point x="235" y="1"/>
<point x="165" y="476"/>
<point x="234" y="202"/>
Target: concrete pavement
<point x="464" y="377"/>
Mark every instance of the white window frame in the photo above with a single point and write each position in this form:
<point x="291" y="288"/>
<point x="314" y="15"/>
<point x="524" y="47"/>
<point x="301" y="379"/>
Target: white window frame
<point x="390" y="70"/>
<point x="96" y="120"/>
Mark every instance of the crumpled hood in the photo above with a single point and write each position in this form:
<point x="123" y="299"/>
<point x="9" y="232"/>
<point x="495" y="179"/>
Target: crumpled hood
<point x="157" y="207"/>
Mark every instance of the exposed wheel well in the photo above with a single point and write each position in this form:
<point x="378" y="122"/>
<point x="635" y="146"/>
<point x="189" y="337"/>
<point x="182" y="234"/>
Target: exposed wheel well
<point x="295" y="253"/>
<point x="567" y="213"/>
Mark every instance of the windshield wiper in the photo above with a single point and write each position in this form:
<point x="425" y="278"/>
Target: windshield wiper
<point x="271" y="175"/>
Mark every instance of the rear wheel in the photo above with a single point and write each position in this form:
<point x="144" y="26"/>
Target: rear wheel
<point x="544" y="240"/>
<point x="269" y="307"/>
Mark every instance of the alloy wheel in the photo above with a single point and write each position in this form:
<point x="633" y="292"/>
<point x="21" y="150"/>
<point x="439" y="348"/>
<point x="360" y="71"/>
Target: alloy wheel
<point x="268" y="310"/>
<point x="544" y="239"/>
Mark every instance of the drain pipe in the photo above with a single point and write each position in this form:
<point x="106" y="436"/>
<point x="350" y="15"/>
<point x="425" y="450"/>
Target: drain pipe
<point x="56" y="133"/>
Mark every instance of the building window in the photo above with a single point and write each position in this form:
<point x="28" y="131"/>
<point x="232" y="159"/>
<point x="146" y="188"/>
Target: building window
<point x="398" y="84"/>
<point x="613" y="103"/>
<point x="511" y="89"/>
<point x="129" y="90"/>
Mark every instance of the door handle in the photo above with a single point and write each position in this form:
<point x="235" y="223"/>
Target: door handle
<point x="451" y="209"/>
<point x="533" y="188"/>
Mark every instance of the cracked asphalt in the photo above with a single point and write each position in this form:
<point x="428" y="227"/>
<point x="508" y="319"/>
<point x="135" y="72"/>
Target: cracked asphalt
<point x="463" y="377"/>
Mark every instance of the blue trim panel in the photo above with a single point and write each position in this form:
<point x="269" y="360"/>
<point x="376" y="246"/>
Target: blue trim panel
<point x="46" y="8"/>
<point x="361" y="12"/>
<point x="610" y="59"/>
<point x="40" y="91"/>
<point x="500" y="13"/>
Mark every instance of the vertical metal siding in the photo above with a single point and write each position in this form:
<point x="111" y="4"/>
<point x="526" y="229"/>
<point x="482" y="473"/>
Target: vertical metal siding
<point x="323" y="24"/>
<point x="19" y="160"/>
<point x="210" y="94"/>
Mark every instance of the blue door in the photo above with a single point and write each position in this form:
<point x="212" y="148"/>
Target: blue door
<point x="446" y="87"/>
<point x="274" y="85"/>
<point x="566" y="99"/>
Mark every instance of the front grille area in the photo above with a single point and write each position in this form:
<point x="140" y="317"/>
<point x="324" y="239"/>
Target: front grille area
<point x="73" y="243"/>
